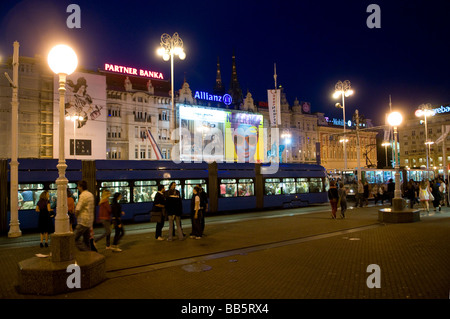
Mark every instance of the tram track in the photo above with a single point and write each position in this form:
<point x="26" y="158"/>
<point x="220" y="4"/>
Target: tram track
<point x="140" y="269"/>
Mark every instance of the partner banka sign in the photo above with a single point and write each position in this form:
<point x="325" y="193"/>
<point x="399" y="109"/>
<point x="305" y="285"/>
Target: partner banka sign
<point x="133" y="71"/>
<point x="226" y="98"/>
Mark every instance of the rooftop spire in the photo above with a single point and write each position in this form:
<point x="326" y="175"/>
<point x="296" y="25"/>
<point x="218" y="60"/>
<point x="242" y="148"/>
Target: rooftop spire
<point x="219" y="89"/>
<point x="235" y="89"/>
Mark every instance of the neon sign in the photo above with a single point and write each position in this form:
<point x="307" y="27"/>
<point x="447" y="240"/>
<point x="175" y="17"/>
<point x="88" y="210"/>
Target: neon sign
<point x="133" y="71"/>
<point x="442" y="109"/>
<point x="226" y="98"/>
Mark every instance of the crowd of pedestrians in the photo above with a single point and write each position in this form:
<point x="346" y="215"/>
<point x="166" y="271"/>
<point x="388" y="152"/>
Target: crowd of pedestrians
<point x="167" y="206"/>
<point x="426" y="193"/>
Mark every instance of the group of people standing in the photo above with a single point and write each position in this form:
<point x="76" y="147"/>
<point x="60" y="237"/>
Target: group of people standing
<point x="427" y="191"/>
<point x="168" y="205"/>
<point x="424" y="192"/>
<point x="84" y="215"/>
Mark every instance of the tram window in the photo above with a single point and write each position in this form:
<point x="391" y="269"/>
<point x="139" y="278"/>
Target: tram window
<point x="246" y="187"/>
<point x="167" y="182"/>
<point x="118" y="187"/>
<point x="144" y="191"/>
<point x="327" y="184"/>
<point x="289" y="186"/>
<point x="378" y="177"/>
<point x="189" y="185"/>
<point x="228" y="188"/>
<point x="272" y="186"/>
<point x="28" y="195"/>
<point x="370" y="177"/>
<point x="53" y="191"/>
<point x="315" y="185"/>
<point x="302" y="185"/>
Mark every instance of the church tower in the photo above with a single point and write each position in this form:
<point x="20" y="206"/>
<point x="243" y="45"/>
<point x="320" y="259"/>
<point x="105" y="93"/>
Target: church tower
<point x="235" y="89"/>
<point x="219" y="89"/>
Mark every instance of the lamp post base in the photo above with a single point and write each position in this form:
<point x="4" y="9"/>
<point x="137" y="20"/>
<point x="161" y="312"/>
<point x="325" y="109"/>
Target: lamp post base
<point x="398" y="213"/>
<point x="43" y="276"/>
<point x="66" y="270"/>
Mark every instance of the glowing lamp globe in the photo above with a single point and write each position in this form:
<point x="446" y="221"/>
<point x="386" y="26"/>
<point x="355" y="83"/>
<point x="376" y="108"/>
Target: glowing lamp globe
<point x="395" y="119"/>
<point x="62" y="59"/>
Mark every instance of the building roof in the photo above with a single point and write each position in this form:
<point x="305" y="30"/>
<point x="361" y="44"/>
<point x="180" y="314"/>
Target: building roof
<point x="116" y="82"/>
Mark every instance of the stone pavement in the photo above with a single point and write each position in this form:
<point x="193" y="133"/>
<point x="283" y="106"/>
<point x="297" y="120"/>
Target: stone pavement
<point x="282" y="254"/>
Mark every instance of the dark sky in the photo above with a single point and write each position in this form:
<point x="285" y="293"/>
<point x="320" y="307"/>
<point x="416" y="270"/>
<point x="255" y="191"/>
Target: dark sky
<point x="313" y="43"/>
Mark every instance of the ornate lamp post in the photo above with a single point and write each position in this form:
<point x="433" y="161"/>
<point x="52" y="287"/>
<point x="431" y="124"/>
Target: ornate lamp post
<point x="343" y="89"/>
<point x="426" y="111"/>
<point x="394" y="120"/>
<point x="386" y="144"/>
<point x="63" y="61"/>
<point x="398" y="213"/>
<point x="170" y="46"/>
<point x="287" y="140"/>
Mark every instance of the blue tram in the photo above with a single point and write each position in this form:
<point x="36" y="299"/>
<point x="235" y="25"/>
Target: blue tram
<point x="231" y="187"/>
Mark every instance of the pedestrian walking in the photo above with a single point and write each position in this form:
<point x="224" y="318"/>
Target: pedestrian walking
<point x="71" y="209"/>
<point x="158" y="210"/>
<point x="360" y="194"/>
<point x="204" y="204"/>
<point x="411" y="193"/>
<point x="84" y="213"/>
<point x="424" y="195"/>
<point x="342" y="192"/>
<point x="196" y="214"/>
<point x="390" y="190"/>
<point x="104" y="216"/>
<point x="374" y="191"/>
<point x="333" y="196"/>
<point x="45" y="223"/>
<point x="436" y="194"/>
<point x="174" y="209"/>
<point x="366" y="193"/>
<point x="116" y="212"/>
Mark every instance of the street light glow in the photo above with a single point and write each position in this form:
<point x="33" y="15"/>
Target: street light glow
<point x="62" y="59"/>
<point x="395" y="119"/>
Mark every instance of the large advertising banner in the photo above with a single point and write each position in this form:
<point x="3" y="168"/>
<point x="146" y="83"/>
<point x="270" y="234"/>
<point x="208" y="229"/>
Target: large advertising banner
<point x="85" y="117"/>
<point x="221" y="136"/>
<point x="244" y="138"/>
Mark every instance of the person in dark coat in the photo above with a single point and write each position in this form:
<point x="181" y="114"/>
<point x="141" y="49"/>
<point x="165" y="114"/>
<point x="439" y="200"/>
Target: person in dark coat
<point x="333" y="196"/>
<point x="45" y="222"/>
<point x="159" y="205"/>
<point x="436" y="194"/>
<point x="174" y="209"/>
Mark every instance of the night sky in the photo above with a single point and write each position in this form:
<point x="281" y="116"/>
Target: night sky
<point x="313" y="43"/>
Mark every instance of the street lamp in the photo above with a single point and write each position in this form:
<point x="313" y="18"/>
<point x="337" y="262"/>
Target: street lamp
<point x="63" y="61"/>
<point x="343" y="89"/>
<point x="287" y="140"/>
<point x="170" y="46"/>
<point x="425" y="111"/>
<point x="394" y="120"/>
<point x="386" y="144"/>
